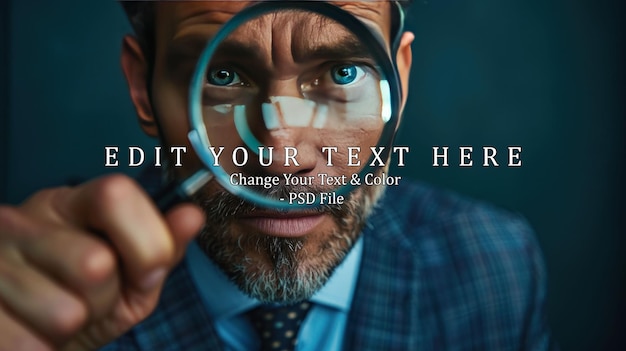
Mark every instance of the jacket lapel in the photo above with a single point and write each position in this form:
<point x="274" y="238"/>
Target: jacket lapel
<point x="382" y="317"/>
<point x="180" y="322"/>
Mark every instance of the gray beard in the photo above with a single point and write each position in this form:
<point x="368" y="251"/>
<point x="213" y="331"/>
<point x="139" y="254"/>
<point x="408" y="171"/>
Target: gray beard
<point x="287" y="271"/>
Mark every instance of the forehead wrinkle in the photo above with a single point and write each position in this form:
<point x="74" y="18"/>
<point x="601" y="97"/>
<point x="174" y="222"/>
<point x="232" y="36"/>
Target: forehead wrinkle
<point x="255" y="39"/>
<point x="376" y="7"/>
<point x="324" y="41"/>
<point x="283" y="40"/>
<point x="302" y="37"/>
<point x="180" y="14"/>
<point x="185" y="27"/>
<point x="182" y="17"/>
<point x="205" y="18"/>
<point x="375" y="14"/>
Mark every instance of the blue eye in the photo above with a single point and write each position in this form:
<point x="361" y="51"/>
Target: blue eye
<point x="345" y="74"/>
<point x="223" y="77"/>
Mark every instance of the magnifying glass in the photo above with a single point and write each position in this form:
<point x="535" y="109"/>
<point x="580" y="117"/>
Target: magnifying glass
<point x="289" y="106"/>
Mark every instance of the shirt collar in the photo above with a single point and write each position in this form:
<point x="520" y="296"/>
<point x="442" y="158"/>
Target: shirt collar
<point x="339" y="289"/>
<point x="223" y="299"/>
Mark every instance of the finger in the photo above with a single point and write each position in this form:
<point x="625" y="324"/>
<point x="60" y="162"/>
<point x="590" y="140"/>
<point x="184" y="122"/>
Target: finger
<point x="80" y="262"/>
<point x="48" y="309"/>
<point x="117" y="207"/>
<point x="41" y="205"/>
<point x="185" y="220"/>
<point x="75" y="259"/>
<point x="16" y="337"/>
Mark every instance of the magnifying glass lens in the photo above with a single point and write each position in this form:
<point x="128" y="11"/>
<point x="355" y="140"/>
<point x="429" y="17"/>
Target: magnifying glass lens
<point x="288" y="101"/>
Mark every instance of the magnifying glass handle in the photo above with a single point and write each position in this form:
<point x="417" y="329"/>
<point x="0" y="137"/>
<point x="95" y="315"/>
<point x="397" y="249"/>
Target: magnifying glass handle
<point x="176" y="192"/>
<point x="169" y="196"/>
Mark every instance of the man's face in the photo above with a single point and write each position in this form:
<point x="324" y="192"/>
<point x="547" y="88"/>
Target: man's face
<point x="271" y="255"/>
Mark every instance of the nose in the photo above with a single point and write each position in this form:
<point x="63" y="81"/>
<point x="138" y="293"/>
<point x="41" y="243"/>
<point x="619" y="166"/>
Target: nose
<point x="292" y="128"/>
<point x="286" y="111"/>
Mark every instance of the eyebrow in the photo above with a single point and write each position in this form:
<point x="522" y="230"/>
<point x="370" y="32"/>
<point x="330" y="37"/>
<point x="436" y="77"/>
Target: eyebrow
<point x="232" y="48"/>
<point x="345" y="48"/>
<point x="186" y="48"/>
<point x="189" y="48"/>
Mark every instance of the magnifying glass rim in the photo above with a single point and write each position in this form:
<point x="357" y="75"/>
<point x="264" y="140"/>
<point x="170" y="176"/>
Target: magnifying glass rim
<point x="389" y="82"/>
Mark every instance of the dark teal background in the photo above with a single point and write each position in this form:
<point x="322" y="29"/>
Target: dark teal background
<point x="545" y="75"/>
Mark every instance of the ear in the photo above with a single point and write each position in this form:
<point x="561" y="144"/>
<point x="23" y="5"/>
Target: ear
<point x="135" y="69"/>
<point x="404" y="58"/>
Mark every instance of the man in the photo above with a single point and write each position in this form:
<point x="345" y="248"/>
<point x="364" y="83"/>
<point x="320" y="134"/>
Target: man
<point x="98" y="264"/>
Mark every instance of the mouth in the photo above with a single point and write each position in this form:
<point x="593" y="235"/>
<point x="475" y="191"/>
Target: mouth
<point x="281" y="224"/>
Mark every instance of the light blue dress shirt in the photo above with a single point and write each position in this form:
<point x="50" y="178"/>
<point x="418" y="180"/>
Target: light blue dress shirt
<point x="322" y="329"/>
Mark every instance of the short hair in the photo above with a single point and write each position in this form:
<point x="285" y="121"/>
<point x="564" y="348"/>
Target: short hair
<point x="141" y="17"/>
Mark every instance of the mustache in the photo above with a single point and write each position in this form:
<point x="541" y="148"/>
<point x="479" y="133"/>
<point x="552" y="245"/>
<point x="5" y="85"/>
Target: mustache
<point x="224" y="203"/>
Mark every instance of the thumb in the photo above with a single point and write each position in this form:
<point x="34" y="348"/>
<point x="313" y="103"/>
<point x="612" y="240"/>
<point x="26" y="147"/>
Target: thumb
<point x="185" y="221"/>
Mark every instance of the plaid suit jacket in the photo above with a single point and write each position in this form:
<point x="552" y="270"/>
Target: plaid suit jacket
<point x="439" y="272"/>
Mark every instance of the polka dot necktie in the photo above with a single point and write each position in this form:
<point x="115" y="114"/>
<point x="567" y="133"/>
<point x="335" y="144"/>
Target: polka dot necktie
<point x="278" y="326"/>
